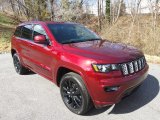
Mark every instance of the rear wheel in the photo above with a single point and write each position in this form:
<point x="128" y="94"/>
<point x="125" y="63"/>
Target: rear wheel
<point x="20" y="69"/>
<point x="74" y="93"/>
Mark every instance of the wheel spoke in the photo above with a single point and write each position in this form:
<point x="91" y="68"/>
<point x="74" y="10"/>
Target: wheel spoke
<point x="74" y="86"/>
<point x="77" y="103"/>
<point x="65" y="89"/>
<point x="77" y="93"/>
<point x="66" y="84"/>
<point x="71" y="103"/>
<point x="72" y="94"/>
<point x="78" y="99"/>
<point x="65" y="94"/>
<point x="69" y="100"/>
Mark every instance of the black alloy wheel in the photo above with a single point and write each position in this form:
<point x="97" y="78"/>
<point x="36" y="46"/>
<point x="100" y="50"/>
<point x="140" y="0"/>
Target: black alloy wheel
<point x="74" y="93"/>
<point x="20" y="69"/>
<point x="16" y="62"/>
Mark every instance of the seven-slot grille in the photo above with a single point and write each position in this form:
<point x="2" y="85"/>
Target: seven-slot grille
<point x="133" y="66"/>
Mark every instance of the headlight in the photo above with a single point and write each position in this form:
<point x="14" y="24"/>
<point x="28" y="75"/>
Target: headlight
<point x="105" y="68"/>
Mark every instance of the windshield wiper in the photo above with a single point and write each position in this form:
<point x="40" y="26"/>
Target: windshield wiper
<point x="69" y="41"/>
<point x="92" y="39"/>
<point x="74" y="41"/>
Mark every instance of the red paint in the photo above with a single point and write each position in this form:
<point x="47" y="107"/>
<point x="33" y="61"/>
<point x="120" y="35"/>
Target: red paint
<point x="78" y="57"/>
<point x="39" y="39"/>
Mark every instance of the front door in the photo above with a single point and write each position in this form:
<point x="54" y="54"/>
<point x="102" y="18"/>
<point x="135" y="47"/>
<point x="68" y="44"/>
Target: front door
<point x="41" y="53"/>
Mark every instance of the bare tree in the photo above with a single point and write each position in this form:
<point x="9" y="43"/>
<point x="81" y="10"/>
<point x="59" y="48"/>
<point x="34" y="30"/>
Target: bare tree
<point x="154" y="8"/>
<point x="134" y="13"/>
<point x="51" y="3"/>
<point x="100" y="13"/>
<point x="119" y="10"/>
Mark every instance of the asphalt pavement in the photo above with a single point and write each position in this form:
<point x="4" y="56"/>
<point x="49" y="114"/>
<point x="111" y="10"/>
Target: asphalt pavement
<point x="32" y="97"/>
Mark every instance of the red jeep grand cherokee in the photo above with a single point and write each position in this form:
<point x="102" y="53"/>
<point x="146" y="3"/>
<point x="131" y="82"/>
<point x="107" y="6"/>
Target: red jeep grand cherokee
<point x="88" y="70"/>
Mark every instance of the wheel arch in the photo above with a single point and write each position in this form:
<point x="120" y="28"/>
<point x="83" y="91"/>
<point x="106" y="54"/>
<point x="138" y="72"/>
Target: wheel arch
<point x="62" y="71"/>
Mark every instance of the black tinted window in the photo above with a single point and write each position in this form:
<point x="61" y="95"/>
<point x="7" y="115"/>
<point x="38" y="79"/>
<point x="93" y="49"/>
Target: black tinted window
<point x="38" y="30"/>
<point x="18" y="31"/>
<point x="27" y="32"/>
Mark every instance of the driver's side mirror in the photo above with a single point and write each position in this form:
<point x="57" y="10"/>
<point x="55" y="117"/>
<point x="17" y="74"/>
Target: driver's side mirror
<point x="41" y="39"/>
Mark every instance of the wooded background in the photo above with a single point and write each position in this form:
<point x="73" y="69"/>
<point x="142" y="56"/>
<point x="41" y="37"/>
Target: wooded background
<point x="116" y="20"/>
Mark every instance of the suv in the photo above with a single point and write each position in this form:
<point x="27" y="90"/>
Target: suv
<point x="89" y="71"/>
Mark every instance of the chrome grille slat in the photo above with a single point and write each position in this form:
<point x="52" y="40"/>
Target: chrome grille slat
<point x="136" y="66"/>
<point x="133" y="66"/>
<point x="124" y="69"/>
<point x="139" y="64"/>
<point x="142" y="62"/>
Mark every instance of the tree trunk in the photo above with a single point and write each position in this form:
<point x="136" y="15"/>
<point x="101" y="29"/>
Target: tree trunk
<point x="99" y="15"/>
<point x="108" y="10"/>
<point x="51" y="2"/>
<point x="119" y="9"/>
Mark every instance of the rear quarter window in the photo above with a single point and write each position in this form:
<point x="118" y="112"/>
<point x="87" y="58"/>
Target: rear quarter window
<point x="17" y="32"/>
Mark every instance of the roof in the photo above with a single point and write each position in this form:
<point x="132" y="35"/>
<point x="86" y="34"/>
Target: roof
<point x="45" y="22"/>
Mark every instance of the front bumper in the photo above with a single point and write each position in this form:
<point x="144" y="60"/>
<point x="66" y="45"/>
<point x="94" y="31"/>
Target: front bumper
<point x="97" y="83"/>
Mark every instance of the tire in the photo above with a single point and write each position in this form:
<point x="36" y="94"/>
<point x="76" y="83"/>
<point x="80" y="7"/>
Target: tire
<point x="74" y="94"/>
<point x="20" y="69"/>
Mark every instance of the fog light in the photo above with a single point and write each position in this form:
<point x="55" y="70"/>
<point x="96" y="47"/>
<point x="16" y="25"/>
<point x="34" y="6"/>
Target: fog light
<point x="111" y="88"/>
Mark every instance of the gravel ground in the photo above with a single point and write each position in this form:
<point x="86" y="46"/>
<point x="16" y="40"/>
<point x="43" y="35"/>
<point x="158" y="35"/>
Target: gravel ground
<point x="32" y="97"/>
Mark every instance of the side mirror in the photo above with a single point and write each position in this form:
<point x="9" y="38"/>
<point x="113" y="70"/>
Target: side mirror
<point x="41" y="39"/>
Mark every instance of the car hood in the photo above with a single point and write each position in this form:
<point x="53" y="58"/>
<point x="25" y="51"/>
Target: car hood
<point x="104" y="50"/>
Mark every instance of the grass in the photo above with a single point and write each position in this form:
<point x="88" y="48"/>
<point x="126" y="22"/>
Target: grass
<point x="5" y="38"/>
<point x="7" y="25"/>
<point x="141" y="35"/>
<point x="153" y="59"/>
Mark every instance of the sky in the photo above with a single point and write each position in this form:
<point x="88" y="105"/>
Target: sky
<point x="144" y="6"/>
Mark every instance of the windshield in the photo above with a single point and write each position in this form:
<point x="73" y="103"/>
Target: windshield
<point x="72" y="33"/>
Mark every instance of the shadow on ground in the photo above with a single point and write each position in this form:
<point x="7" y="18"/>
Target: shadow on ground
<point x="30" y="73"/>
<point x="145" y="94"/>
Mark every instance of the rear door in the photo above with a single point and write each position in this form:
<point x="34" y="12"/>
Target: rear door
<point x="16" y="40"/>
<point x="25" y="45"/>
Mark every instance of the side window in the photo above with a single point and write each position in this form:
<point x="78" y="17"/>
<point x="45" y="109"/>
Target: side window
<point x="17" y="32"/>
<point x="38" y="30"/>
<point x="27" y="32"/>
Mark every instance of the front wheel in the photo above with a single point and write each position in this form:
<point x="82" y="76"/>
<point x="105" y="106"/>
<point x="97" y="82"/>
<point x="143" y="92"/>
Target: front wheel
<point x="74" y="93"/>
